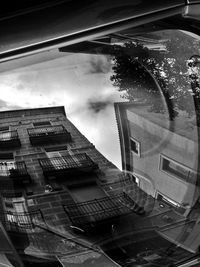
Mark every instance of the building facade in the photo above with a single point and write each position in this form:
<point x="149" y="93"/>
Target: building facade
<point x="42" y="152"/>
<point x="53" y="179"/>
<point x="163" y="157"/>
<point x="162" y="154"/>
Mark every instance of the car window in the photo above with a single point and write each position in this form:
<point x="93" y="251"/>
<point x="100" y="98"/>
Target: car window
<point x="100" y="155"/>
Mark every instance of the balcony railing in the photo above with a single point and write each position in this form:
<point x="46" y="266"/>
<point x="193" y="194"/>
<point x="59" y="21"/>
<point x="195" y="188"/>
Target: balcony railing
<point x="9" y="139"/>
<point x="21" y="221"/>
<point x="14" y="172"/>
<point x="49" y="134"/>
<point x="77" y="162"/>
<point x="98" y="210"/>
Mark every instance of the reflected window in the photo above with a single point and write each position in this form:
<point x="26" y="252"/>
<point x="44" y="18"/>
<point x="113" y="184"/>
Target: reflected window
<point x="54" y="154"/>
<point x="5" y="134"/>
<point x="6" y="166"/>
<point x="16" y="211"/>
<point x="58" y="158"/>
<point x="176" y="169"/>
<point x="4" y="128"/>
<point x="135" y="146"/>
<point x="41" y="123"/>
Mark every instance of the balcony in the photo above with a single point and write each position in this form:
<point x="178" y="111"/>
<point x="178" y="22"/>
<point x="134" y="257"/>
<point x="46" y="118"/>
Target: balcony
<point x="93" y="212"/>
<point x="59" y="166"/>
<point x="21" y="221"/>
<point x="49" y="135"/>
<point x="9" y="139"/>
<point x="13" y="173"/>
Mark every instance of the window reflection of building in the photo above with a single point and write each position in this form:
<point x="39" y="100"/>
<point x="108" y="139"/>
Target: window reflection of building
<point x="135" y="146"/>
<point x="167" y="169"/>
<point x="5" y="135"/>
<point x="16" y="211"/>
<point x="178" y="170"/>
<point x="51" y="167"/>
<point x="168" y="153"/>
<point x="5" y="167"/>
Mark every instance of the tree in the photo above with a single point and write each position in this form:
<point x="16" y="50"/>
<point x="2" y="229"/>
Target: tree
<point x="149" y="75"/>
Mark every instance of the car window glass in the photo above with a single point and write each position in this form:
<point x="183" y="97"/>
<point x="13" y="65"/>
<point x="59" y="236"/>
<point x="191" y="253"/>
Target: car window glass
<point x="110" y="170"/>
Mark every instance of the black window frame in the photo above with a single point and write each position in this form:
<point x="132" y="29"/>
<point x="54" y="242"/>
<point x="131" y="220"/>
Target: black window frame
<point x="41" y="124"/>
<point x="136" y="150"/>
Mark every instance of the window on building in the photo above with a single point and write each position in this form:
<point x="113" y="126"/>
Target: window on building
<point x="6" y="164"/>
<point x="16" y="210"/>
<point x="4" y="128"/>
<point x="59" y="153"/>
<point x="6" y="156"/>
<point x="135" y="146"/>
<point x="55" y="148"/>
<point x="52" y="155"/>
<point x="177" y="170"/>
<point x="41" y="123"/>
<point x="5" y="134"/>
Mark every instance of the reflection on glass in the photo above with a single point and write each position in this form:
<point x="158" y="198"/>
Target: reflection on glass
<point x="99" y="160"/>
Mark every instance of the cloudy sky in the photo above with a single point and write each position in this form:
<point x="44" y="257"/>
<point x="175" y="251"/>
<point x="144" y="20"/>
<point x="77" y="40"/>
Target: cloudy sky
<point x="80" y="82"/>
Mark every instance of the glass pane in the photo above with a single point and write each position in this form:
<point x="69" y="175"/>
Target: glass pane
<point x="111" y="171"/>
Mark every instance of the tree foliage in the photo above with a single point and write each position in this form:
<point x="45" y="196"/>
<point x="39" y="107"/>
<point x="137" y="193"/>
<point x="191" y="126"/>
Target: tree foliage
<point x="151" y="75"/>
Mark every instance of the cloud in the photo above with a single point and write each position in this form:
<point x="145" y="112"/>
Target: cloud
<point x="20" y="87"/>
<point x="99" y="64"/>
<point x="79" y="82"/>
<point x="98" y="106"/>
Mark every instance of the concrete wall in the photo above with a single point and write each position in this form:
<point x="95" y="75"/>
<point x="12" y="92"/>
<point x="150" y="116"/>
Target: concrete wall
<point x="156" y="141"/>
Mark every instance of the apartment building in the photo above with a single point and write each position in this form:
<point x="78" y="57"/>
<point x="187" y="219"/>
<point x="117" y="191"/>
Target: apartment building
<point x="53" y="178"/>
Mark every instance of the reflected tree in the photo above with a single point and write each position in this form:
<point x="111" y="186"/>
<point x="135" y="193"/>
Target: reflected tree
<point x="136" y="68"/>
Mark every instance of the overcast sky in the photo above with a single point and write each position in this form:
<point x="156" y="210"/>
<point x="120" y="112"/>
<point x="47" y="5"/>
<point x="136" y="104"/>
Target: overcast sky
<point x="80" y="82"/>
